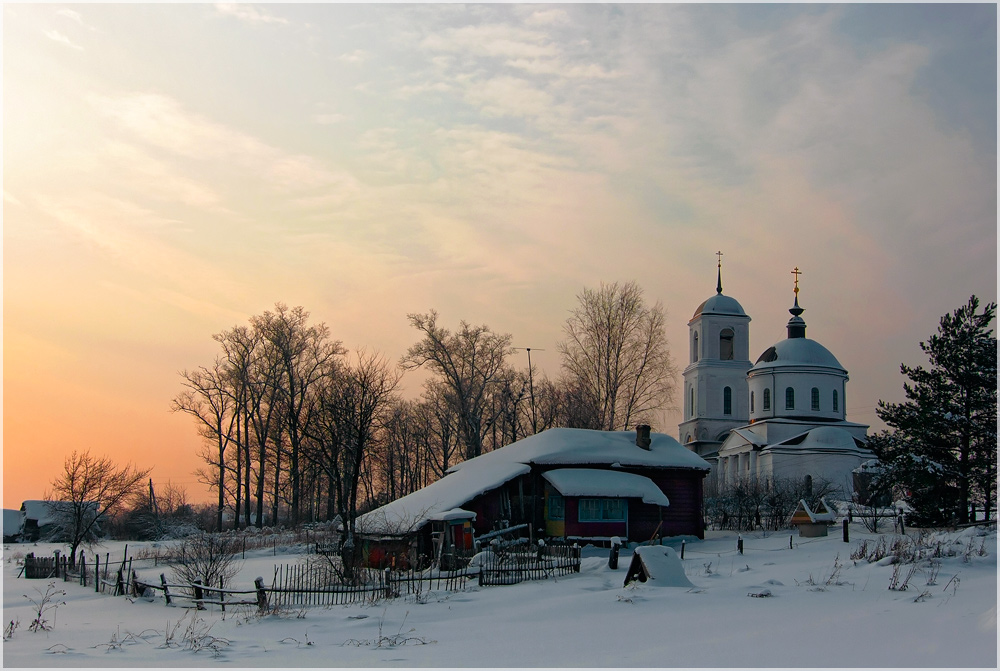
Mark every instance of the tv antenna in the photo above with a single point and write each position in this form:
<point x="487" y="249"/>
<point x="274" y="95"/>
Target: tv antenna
<point x="531" y="388"/>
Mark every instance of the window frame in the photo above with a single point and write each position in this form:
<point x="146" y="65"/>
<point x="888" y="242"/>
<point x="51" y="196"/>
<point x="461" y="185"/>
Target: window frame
<point x="767" y="399"/>
<point x="727" y="401"/>
<point x="606" y="505"/>
<point x="814" y="399"/>
<point x="789" y="398"/>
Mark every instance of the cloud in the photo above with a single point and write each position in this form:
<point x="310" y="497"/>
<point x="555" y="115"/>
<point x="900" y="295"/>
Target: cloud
<point x="56" y="36"/>
<point x="74" y="16"/>
<point x="161" y="122"/>
<point x="328" y="118"/>
<point x="248" y="13"/>
<point x="356" y="56"/>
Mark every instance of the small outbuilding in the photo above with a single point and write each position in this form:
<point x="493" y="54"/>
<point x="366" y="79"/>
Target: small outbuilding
<point x="658" y="565"/>
<point x="813" y="523"/>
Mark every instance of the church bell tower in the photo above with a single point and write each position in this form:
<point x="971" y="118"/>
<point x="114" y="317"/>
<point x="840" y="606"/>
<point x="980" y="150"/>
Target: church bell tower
<point x="715" y="399"/>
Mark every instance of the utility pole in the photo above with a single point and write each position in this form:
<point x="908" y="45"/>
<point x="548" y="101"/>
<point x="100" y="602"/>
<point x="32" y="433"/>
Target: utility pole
<point x="531" y="388"/>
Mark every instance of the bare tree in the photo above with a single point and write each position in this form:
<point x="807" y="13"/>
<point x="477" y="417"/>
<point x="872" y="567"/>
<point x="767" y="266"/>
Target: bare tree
<point x="469" y="362"/>
<point x="301" y="353"/>
<point x="616" y="355"/>
<point x="207" y="399"/>
<point x="93" y="488"/>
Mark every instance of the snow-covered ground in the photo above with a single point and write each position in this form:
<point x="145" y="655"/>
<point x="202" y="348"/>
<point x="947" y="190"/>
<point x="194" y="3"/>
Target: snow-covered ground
<point x="823" y="610"/>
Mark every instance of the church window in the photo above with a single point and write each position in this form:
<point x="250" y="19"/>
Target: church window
<point x="767" y="399"/>
<point x="836" y="405"/>
<point x="815" y="399"/>
<point x="691" y="400"/>
<point x="751" y="401"/>
<point x="789" y="398"/>
<point x="727" y="401"/>
<point x="726" y="345"/>
<point x="694" y="350"/>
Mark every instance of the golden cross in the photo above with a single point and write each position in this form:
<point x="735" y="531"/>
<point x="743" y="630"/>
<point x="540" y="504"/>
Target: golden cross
<point x="719" y="254"/>
<point x="796" y="272"/>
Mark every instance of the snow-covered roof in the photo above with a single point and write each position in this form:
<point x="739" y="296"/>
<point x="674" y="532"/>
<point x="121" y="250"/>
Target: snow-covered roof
<point x="469" y="479"/>
<point x="11" y="521"/>
<point x="595" y="482"/>
<point x="720" y="304"/>
<point x="798" y="352"/>
<point x="453" y="514"/>
<point x="662" y="566"/>
<point x="47" y="512"/>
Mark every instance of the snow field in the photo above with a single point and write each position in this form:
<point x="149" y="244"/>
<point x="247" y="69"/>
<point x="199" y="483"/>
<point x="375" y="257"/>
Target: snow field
<point x="824" y="610"/>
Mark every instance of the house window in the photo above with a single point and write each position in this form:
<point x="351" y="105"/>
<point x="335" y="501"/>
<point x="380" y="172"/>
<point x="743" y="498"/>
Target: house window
<point x="767" y="399"/>
<point x="815" y="399"/>
<point x="789" y="398"/>
<point x="751" y="401"/>
<point x="557" y="507"/>
<point x="836" y="404"/>
<point x="726" y="345"/>
<point x="727" y="401"/>
<point x="602" y="510"/>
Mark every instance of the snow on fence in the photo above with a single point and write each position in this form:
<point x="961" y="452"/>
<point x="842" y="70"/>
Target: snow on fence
<point x="510" y="565"/>
<point x="297" y="586"/>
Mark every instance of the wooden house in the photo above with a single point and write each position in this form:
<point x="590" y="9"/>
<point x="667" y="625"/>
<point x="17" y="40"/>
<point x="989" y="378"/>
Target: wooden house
<point x="574" y="484"/>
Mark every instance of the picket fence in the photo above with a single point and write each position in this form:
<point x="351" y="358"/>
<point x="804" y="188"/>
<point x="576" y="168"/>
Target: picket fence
<point x="308" y="585"/>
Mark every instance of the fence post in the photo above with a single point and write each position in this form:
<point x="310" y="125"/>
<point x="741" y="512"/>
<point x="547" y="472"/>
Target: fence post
<point x="790" y="541"/>
<point x="847" y="534"/>
<point x="166" y="592"/>
<point x="261" y="594"/>
<point x="57" y="563"/>
<point x="83" y="570"/>
<point x="388" y="584"/>
<point x="739" y="544"/>
<point x="576" y="556"/>
<point x="97" y="573"/>
<point x="222" y="595"/>
<point x="120" y="581"/>
<point x="682" y="548"/>
<point x="198" y="596"/>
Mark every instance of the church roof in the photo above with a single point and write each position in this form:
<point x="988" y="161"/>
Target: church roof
<point x="720" y="304"/>
<point x="797" y="352"/>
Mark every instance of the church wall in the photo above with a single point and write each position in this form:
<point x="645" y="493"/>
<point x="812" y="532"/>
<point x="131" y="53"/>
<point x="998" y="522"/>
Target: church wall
<point x="835" y="469"/>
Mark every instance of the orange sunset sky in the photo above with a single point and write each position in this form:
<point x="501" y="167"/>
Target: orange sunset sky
<point x="171" y="170"/>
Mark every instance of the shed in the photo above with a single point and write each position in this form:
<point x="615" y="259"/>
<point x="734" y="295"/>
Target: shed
<point x="11" y="525"/>
<point x="813" y="523"/>
<point x="658" y="565"/>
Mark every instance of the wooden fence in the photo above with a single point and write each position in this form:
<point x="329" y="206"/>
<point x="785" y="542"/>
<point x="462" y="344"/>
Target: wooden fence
<point x="298" y="586"/>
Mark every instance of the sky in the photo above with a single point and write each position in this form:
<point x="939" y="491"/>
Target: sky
<point x="171" y="170"/>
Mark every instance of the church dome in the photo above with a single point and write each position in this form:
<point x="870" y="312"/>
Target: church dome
<point x="720" y="304"/>
<point x="797" y="352"/>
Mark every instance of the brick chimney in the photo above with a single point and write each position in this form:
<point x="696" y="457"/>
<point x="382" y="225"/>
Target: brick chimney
<point x="642" y="436"/>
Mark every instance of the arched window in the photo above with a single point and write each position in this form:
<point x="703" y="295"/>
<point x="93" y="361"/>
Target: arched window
<point x="694" y="350"/>
<point x="789" y="398"/>
<point x="767" y="399"/>
<point x="751" y="401"/>
<point x="815" y="399"/>
<point x="726" y="345"/>
<point x="691" y="400"/>
<point x="727" y="401"/>
<point x="836" y="404"/>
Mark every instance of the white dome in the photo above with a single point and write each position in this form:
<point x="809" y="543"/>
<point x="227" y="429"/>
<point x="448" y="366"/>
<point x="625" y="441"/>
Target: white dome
<point x="720" y="304"/>
<point x="796" y="352"/>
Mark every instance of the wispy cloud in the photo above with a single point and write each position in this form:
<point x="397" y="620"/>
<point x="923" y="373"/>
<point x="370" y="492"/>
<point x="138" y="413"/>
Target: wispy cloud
<point x="56" y="36"/>
<point x="248" y="13"/>
<point x="75" y="16"/>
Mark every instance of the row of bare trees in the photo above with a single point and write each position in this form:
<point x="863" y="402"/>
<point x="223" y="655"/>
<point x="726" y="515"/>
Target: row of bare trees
<point x="296" y="428"/>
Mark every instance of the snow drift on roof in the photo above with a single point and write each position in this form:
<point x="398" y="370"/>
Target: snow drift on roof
<point x="469" y="479"/>
<point x="594" y="482"/>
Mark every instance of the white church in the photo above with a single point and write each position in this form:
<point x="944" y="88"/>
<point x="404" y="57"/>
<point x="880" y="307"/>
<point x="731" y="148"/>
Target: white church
<point x="782" y="417"/>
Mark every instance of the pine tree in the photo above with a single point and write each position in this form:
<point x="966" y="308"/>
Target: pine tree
<point x="942" y="446"/>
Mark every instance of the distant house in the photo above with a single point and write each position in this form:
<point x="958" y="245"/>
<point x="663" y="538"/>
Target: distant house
<point x="43" y="519"/>
<point x="574" y="484"/>
<point x="11" y="525"/>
